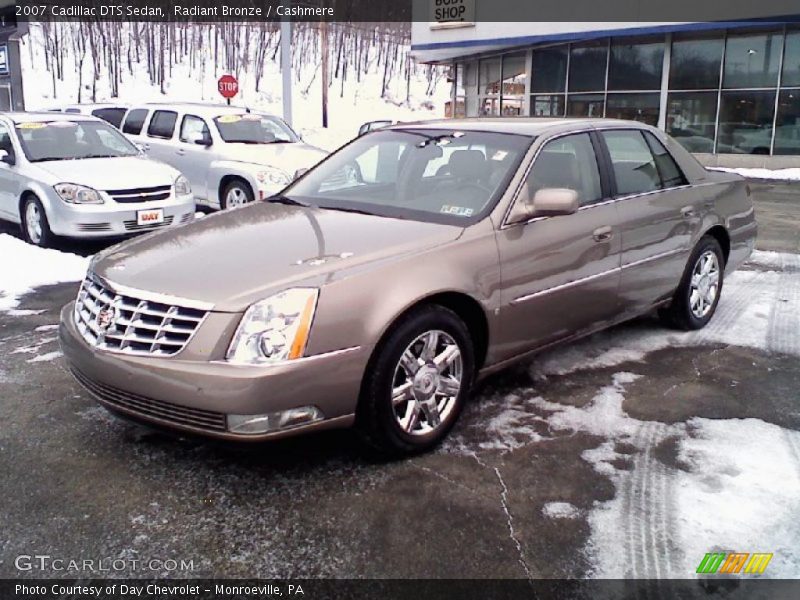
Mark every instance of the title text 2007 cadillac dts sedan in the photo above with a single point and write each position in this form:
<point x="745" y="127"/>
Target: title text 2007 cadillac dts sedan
<point x="379" y="286"/>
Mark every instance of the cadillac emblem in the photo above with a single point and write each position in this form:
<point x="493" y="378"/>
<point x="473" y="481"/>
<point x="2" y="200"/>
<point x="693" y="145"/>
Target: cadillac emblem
<point x="105" y="318"/>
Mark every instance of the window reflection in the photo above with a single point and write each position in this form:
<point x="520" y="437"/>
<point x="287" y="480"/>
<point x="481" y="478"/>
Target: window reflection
<point x="635" y="107"/>
<point x="549" y="69"/>
<point x="489" y="86"/>
<point x="587" y="67"/>
<point x="745" y="122"/>
<point x="791" y="60"/>
<point x="513" y="86"/>
<point x="585" y="105"/>
<point x="635" y="65"/>
<point x="691" y="119"/>
<point x="547" y="105"/>
<point x="752" y="60"/>
<point x="787" y="129"/>
<point x="695" y="63"/>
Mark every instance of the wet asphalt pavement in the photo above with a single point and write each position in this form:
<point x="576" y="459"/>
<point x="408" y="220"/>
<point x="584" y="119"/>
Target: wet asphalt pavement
<point x="82" y="484"/>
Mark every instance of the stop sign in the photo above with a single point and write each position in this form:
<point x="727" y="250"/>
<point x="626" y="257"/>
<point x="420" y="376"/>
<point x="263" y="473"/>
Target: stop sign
<point x="228" y="86"/>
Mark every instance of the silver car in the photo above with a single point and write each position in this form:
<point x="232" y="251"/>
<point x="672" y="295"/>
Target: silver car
<point x="230" y="154"/>
<point x="77" y="176"/>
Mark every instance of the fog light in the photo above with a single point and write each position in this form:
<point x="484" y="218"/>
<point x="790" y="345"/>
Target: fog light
<point x="275" y="421"/>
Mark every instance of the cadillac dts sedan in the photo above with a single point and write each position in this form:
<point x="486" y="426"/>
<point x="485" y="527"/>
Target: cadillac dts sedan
<point x="381" y="285"/>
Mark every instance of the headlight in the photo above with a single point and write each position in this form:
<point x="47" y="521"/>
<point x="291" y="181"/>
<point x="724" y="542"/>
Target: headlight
<point x="274" y="329"/>
<point x="77" y="194"/>
<point x="182" y="187"/>
<point x="272" y="176"/>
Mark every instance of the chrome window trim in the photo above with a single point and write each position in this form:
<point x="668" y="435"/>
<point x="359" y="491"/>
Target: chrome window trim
<point x="153" y="296"/>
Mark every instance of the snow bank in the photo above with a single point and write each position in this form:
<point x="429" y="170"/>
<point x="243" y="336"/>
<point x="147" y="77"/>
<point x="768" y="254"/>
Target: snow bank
<point x="25" y="267"/>
<point x="792" y="174"/>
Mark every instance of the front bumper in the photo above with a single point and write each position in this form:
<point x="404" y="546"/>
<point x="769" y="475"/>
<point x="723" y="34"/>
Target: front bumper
<point x="196" y="396"/>
<point x="112" y="219"/>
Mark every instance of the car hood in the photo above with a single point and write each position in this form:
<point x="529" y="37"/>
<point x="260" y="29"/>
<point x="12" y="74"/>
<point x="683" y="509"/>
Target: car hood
<point x="119" y="173"/>
<point x="236" y="257"/>
<point x="287" y="157"/>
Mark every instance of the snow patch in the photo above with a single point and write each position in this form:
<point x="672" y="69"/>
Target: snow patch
<point x="560" y="510"/>
<point x="46" y="357"/>
<point x="46" y="328"/>
<point x="791" y="174"/>
<point x="32" y="267"/>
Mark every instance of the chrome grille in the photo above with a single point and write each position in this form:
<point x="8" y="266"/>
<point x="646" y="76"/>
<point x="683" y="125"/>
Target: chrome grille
<point x="124" y="323"/>
<point x="94" y="226"/>
<point x="149" y="194"/>
<point x="132" y="225"/>
<point x="149" y="407"/>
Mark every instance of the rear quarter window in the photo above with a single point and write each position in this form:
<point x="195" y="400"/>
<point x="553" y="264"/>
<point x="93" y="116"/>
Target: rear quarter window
<point x="110" y="115"/>
<point x="134" y="121"/>
<point x="162" y="124"/>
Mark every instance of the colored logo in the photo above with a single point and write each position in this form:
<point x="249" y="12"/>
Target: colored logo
<point x="734" y="562"/>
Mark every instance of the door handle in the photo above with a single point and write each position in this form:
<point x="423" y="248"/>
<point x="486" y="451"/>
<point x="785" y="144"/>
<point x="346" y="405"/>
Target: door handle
<point x="603" y="234"/>
<point x="687" y="212"/>
<point x="180" y="151"/>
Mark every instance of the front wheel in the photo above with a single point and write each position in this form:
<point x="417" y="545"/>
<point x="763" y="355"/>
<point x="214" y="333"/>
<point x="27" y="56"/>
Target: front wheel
<point x="35" y="226"/>
<point x="416" y="386"/>
<point x="236" y="193"/>
<point x="697" y="296"/>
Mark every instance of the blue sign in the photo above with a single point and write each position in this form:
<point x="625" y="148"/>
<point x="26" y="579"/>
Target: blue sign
<point x="3" y="59"/>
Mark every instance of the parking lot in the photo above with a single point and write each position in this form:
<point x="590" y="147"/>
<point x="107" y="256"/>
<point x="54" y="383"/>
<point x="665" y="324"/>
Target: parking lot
<point x="629" y="454"/>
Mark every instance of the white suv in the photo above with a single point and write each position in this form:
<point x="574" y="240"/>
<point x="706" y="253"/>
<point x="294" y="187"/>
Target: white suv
<point x="230" y="155"/>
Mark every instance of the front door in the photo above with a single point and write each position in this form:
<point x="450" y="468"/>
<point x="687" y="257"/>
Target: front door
<point x="560" y="274"/>
<point x="193" y="159"/>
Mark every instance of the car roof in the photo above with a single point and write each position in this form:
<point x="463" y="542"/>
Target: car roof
<point x="533" y="126"/>
<point x="202" y="109"/>
<point x="94" y="105"/>
<point x="26" y="117"/>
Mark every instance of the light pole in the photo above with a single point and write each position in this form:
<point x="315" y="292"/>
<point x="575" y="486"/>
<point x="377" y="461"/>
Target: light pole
<point x="286" y="68"/>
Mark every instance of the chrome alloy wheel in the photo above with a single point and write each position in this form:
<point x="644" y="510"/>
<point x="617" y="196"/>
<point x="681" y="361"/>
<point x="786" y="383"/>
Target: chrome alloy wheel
<point x="33" y="222"/>
<point x="426" y="383"/>
<point x="236" y="196"/>
<point x="704" y="285"/>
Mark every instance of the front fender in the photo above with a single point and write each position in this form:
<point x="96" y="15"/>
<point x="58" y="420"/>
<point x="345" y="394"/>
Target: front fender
<point x="222" y="168"/>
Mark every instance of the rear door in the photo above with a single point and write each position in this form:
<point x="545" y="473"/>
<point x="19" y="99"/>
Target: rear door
<point x="560" y="274"/>
<point x="161" y="131"/>
<point x="658" y="216"/>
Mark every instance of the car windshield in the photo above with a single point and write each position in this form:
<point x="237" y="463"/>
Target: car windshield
<point x="253" y="128"/>
<point x="72" y="140"/>
<point x="440" y="175"/>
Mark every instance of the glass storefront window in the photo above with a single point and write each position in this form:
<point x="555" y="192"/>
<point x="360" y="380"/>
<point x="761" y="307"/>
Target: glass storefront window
<point x="513" y="85"/>
<point x="692" y="119"/>
<point x="549" y="70"/>
<point x="745" y="122"/>
<point x="585" y="105"/>
<point x="547" y="105"/>
<point x="587" y="67"/>
<point x="635" y="107"/>
<point x="635" y="65"/>
<point x="694" y="64"/>
<point x="787" y="129"/>
<point x="752" y="60"/>
<point x="489" y="86"/>
<point x="791" y="60"/>
<point x="471" y="88"/>
<point x="458" y="96"/>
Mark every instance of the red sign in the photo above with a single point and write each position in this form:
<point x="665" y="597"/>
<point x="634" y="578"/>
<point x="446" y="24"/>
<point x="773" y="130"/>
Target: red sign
<point x="228" y="86"/>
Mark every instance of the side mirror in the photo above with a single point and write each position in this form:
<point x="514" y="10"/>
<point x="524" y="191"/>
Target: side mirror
<point x="7" y="158"/>
<point x="141" y="148"/>
<point x="553" y="201"/>
<point x="204" y="140"/>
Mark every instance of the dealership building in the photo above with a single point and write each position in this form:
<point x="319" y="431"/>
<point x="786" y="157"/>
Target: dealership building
<point x="729" y="92"/>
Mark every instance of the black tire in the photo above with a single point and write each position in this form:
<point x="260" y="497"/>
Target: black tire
<point x="235" y="185"/>
<point x="46" y="238"/>
<point x="376" y="421"/>
<point x="679" y="313"/>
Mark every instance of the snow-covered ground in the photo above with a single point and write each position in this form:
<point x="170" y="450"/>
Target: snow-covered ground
<point x="792" y="174"/>
<point x="349" y="106"/>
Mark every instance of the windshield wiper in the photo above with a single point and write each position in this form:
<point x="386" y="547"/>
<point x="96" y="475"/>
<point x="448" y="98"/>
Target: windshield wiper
<point x="359" y="211"/>
<point x="99" y="156"/>
<point x="45" y="158"/>
<point x="279" y="199"/>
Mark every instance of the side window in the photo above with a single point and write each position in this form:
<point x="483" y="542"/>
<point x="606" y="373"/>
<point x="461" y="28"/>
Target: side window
<point x="671" y="174"/>
<point x="634" y="167"/>
<point x="162" y="124"/>
<point x="5" y="140"/>
<point x="193" y="129"/>
<point x="134" y="121"/>
<point x="568" y="162"/>
<point x="111" y="115"/>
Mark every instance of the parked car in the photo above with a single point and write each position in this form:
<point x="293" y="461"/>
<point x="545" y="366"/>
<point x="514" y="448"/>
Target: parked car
<point x="459" y="248"/>
<point x="112" y="113"/>
<point x="76" y="176"/>
<point x="231" y="155"/>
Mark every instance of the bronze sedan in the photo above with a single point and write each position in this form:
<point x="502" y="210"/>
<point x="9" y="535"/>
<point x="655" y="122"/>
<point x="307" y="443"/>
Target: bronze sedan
<point x="378" y="287"/>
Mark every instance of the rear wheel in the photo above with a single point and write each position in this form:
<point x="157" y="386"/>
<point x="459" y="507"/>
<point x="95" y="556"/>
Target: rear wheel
<point x="236" y="193"/>
<point x="416" y="385"/>
<point x="697" y="296"/>
<point x="35" y="226"/>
